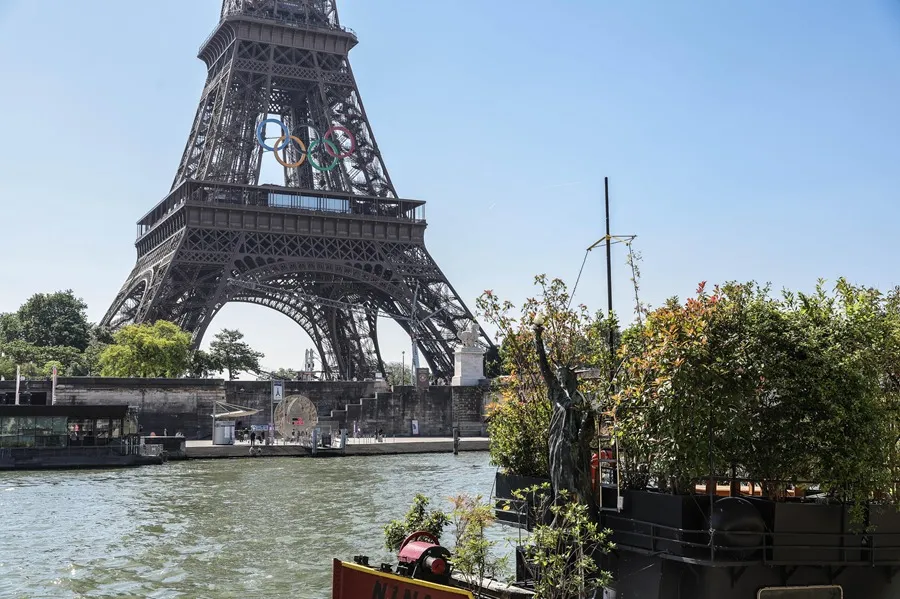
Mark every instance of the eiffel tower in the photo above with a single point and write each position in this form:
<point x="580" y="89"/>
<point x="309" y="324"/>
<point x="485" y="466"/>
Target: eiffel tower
<point x="332" y="248"/>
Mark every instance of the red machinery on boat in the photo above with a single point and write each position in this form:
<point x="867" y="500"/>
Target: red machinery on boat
<point x="423" y="571"/>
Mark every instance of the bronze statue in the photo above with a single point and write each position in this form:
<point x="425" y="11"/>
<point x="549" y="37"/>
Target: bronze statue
<point x="571" y="427"/>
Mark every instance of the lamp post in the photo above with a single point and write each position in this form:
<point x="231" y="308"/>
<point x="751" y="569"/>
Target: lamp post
<point x="403" y="368"/>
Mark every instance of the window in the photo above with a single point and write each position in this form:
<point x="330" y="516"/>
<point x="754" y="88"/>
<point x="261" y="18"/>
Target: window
<point x="26" y="432"/>
<point x="9" y="430"/>
<point x="101" y="431"/>
<point x="81" y="432"/>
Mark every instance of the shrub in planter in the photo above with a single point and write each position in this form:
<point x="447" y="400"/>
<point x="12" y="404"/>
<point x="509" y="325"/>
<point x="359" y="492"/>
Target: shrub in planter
<point x="799" y="388"/>
<point x="564" y="547"/>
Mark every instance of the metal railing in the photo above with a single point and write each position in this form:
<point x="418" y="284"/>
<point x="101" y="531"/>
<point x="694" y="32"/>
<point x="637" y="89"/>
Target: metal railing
<point x="365" y="207"/>
<point x="769" y="548"/>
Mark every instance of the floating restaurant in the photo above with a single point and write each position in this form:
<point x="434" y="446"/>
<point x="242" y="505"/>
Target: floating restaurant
<point x="69" y="436"/>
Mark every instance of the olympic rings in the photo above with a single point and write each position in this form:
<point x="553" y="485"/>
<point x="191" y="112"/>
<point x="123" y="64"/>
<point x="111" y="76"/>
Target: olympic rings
<point x="282" y="161"/>
<point x="332" y="148"/>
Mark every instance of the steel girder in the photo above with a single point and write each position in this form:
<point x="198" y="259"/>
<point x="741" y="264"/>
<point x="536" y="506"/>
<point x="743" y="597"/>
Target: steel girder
<point x="304" y="79"/>
<point x="211" y="267"/>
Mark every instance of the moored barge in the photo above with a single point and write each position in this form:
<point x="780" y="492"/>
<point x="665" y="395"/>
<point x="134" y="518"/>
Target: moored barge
<point x="36" y="437"/>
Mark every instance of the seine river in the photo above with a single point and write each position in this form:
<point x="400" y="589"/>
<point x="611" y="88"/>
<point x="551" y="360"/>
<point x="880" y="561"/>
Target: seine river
<point x="226" y="528"/>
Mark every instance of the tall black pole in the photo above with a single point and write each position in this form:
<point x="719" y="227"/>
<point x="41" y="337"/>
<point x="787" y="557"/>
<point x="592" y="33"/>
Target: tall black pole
<point x="609" y="290"/>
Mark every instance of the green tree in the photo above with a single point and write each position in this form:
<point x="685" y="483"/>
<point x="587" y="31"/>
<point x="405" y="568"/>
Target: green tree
<point x="54" y="319"/>
<point x="234" y="355"/>
<point x="398" y="373"/>
<point x="89" y="364"/>
<point x="47" y="369"/>
<point x="7" y="368"/>
<point x="148" y="351"/>
<point x="10" y="327"/>
<point x="203" y="365"/>
<point x="735" y="382"/>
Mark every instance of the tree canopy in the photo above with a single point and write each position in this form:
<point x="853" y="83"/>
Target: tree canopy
<point x="281" y="374"/>
<point x="234" y="355"/>
<point x="48" y="327"/>
<point x="155" y="350"/>
<point x="398" y="373"/>
<point x="801" y="387"/>
<point x="55" y="319"/>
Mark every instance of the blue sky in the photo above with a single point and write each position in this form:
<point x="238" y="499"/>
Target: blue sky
<point x="743" y="140"/>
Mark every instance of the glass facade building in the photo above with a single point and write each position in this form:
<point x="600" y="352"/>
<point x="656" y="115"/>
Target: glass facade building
<point x="62" y="426"/>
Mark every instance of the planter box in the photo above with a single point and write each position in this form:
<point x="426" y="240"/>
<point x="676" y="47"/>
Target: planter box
<point x="808" y="532"/>
<point x="885" y="520"/>
<point x="505" y="485"/>
<point x="645" y="514"/>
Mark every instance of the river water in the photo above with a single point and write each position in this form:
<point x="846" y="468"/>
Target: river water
<point x="225" y="528"/>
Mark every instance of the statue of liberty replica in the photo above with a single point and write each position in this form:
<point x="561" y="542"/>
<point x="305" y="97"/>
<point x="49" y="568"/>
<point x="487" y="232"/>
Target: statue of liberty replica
<point x="571" y="427"/>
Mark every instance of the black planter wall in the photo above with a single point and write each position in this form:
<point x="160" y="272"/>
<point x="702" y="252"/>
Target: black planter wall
<point x="507" y="509"/>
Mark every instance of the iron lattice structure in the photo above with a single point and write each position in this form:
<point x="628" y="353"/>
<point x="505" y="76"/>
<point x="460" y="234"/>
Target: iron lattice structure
<point x="332" y="247"/>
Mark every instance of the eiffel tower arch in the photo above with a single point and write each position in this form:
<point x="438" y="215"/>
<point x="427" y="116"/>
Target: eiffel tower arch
<point x="333" y="247"/>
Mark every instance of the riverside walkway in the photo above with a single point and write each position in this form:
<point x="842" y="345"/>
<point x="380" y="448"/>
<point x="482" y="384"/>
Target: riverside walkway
<point x="205" y="450"/>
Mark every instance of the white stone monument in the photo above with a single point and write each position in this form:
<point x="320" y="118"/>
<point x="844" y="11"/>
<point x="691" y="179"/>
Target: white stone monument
<point x="468" y="358"/>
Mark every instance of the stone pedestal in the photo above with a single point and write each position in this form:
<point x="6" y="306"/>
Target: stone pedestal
<point x="469" y="366"/>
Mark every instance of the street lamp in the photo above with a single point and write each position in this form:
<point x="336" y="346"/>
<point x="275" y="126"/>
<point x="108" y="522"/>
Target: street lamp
<point x="403" y="369"/>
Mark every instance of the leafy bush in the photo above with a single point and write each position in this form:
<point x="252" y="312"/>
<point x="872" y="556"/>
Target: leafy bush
<point x="417" y="518"/>
<point x="564" y="546"/>
<point x="802" y="387"/>
<point x="473" y="552"/>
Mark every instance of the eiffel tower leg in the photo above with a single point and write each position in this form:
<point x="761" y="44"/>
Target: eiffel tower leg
<point x="428" y="292"/>
<point x="134" y="300"/>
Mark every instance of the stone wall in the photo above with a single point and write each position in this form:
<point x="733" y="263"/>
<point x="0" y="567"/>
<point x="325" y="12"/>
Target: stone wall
<point x="326" y="396"/>
<point x="436" y="409"/>
<point x="186" y="405"/>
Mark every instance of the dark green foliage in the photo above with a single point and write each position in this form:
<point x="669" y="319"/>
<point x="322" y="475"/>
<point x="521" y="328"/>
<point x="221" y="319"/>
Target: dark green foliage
<point x="230" y="353"/>
<point x="54" y="319"/>
<point x="417" y="518"/>
<point x="398" y="373"/>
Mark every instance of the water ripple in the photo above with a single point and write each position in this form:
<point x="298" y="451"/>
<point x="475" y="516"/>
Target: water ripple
<point x="217" y="529"/>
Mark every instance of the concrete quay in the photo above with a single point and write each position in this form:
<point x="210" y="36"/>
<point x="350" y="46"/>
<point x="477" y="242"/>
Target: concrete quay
<point x="205" y="450"/>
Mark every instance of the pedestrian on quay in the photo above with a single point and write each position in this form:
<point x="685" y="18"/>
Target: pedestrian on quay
<point x="252" y="438"/>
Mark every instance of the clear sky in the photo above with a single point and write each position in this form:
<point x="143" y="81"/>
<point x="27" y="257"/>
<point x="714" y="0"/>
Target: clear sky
<point x="743" y="140"/>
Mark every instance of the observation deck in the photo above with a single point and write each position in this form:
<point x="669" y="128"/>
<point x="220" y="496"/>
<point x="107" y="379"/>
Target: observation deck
<point x="221" y="205"/>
